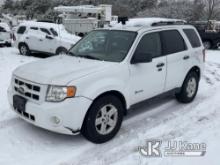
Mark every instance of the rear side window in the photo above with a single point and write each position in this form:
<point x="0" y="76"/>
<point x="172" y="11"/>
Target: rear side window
<point x="34" y="28"/>
<point x="193" y="37"/>
<point x="172" y="42"/>
<point x="21" y="30"/>
<point x="150" y="44"/>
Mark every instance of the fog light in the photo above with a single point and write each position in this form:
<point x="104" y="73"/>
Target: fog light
<point x="55" y="120"/>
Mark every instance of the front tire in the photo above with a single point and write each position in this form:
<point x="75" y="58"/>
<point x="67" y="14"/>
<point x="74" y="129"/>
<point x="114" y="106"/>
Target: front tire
<point x="189" y="88"/>
<point x="61" y="51"/>
<point x="24" y="50"/>
<point x="103" y="120"/>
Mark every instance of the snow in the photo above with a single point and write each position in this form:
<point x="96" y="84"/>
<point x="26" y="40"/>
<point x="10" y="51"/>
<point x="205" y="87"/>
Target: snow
<point x="5" y="26"/>
<point x="139" y="22"/>
<point x="161" y="118"/>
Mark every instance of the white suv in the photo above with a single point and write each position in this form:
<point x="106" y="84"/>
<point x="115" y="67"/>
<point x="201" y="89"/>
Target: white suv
<point x="5" y="34"/>
<point x="43" y="37"/>
<point x="90" y="89"/>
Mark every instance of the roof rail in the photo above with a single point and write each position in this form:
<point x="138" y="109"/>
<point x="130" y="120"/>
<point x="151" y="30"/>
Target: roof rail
<point x="164" y="23"/>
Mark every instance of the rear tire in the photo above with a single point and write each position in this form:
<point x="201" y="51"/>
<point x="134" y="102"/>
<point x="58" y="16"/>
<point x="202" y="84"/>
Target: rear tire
<point x="103" y="119"/>
<point x="189" y="88"/>
<point x="24" y="50"/>
<point x="207" y="44"/>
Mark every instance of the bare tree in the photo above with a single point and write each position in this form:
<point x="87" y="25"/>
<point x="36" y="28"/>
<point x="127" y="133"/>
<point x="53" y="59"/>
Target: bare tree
<point x="212" y="8"/>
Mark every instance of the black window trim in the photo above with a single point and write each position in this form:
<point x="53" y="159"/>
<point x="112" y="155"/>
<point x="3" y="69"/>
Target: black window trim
<point x="34" y="28"/>
<point x="188" y="38"/>
<point x="23" y="26"/>
<point x="42" y="30"/>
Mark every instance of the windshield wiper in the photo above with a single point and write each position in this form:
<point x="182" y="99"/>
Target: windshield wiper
<point x="89" y="57"/>
<point x="70" y="54"/>
<point x="83" y="56"/>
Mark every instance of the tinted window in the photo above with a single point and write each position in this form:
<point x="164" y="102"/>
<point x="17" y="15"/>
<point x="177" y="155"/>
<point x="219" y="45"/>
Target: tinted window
<point x="172" y="42"/>
<point x="53" y="32"/>
<point x="34" y="28"/>
<point x="21" y="30"/>
<point x="2" y="29"/>
<point x="45" y="31"/>
<point x="104" y="45"/>
<point x="150" y="44"/>
<point x="193" y="37"/>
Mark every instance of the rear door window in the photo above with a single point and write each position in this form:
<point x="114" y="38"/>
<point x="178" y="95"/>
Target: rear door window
<point x="193" y="37"/>
<point x="21" y="30"/>
<point x="45" y="31"/>
<point x="172" y="42"/>
<point x="34" y="28"/>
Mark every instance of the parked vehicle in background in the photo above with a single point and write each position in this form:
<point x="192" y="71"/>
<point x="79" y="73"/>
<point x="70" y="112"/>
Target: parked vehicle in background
<point x="82" y="19"/>
<point x="90" y="89"/>
<point x="209" y="32"/>
<point x="43" y="37"/>
<point x="5" y="34"/>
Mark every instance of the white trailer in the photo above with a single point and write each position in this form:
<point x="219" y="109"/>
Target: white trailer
<point x="80" y="20"/>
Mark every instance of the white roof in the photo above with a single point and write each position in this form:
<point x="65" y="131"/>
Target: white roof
<point x="5" y="26"/>
<point x="79" y="9"/>
<point x="40" y="24"/>
<point x="143" y="22"/>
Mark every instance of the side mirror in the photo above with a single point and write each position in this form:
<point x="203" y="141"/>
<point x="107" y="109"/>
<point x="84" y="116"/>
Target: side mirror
<point x="141" y="58"/>
<point x="49" y="37"/>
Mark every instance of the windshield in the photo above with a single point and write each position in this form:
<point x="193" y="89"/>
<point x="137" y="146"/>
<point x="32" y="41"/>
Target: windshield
<point x="104" y="45"/>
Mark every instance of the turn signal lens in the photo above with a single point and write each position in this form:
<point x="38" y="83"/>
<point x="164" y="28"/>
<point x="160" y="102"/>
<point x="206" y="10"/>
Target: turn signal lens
<point x="71" y="91"/>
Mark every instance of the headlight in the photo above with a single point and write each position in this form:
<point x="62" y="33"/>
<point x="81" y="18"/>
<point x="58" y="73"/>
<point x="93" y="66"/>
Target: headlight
<point x="58" y="93"/>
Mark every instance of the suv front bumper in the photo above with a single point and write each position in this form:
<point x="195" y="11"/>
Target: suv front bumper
<point x="64" y="117"/>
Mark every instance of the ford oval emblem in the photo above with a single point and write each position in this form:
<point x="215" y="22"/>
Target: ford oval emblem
<point x="21" y="90"/>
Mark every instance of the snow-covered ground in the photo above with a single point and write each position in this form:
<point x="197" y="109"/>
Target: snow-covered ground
<point x="162" y="118"/>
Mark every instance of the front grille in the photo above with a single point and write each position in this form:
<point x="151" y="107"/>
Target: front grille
<point x="26" y="115"/>
<point x="27" y="89"/>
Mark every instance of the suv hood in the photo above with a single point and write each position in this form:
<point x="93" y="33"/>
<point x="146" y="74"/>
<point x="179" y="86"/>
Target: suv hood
<point x="59" y="70"/>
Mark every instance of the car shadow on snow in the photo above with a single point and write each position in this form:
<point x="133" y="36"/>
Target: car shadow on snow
<point x="40" y="55"/>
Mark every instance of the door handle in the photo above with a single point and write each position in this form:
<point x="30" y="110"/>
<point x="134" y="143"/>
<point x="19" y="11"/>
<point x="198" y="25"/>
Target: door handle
<point x="27" y="38"/>
<point x="186" y="57"/>
<point x="160" y="65"/>
<point x="40" y="40"/>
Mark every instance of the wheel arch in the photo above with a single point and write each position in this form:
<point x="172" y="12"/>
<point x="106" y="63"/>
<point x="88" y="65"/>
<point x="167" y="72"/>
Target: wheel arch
<point x="22" y="43"/>
<point x="195" y="69"/>
<point x="60" y="48"/>
<point x="115" y="93"/>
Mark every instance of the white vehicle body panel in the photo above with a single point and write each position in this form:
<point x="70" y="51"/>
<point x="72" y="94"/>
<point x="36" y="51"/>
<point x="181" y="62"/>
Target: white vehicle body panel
<point x="5" y="34"/>
<point x="92" y="78"/>
<point x="37" y="40"/>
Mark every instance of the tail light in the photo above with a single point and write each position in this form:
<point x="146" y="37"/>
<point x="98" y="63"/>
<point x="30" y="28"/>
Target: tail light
<point x="203" y="51"/>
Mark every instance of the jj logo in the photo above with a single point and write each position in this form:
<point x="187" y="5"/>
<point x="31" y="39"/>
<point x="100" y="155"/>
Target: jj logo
<point x="152" y="149"/>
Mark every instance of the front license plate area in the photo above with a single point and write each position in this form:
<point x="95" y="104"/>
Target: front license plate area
<point x="19" y="103"/>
